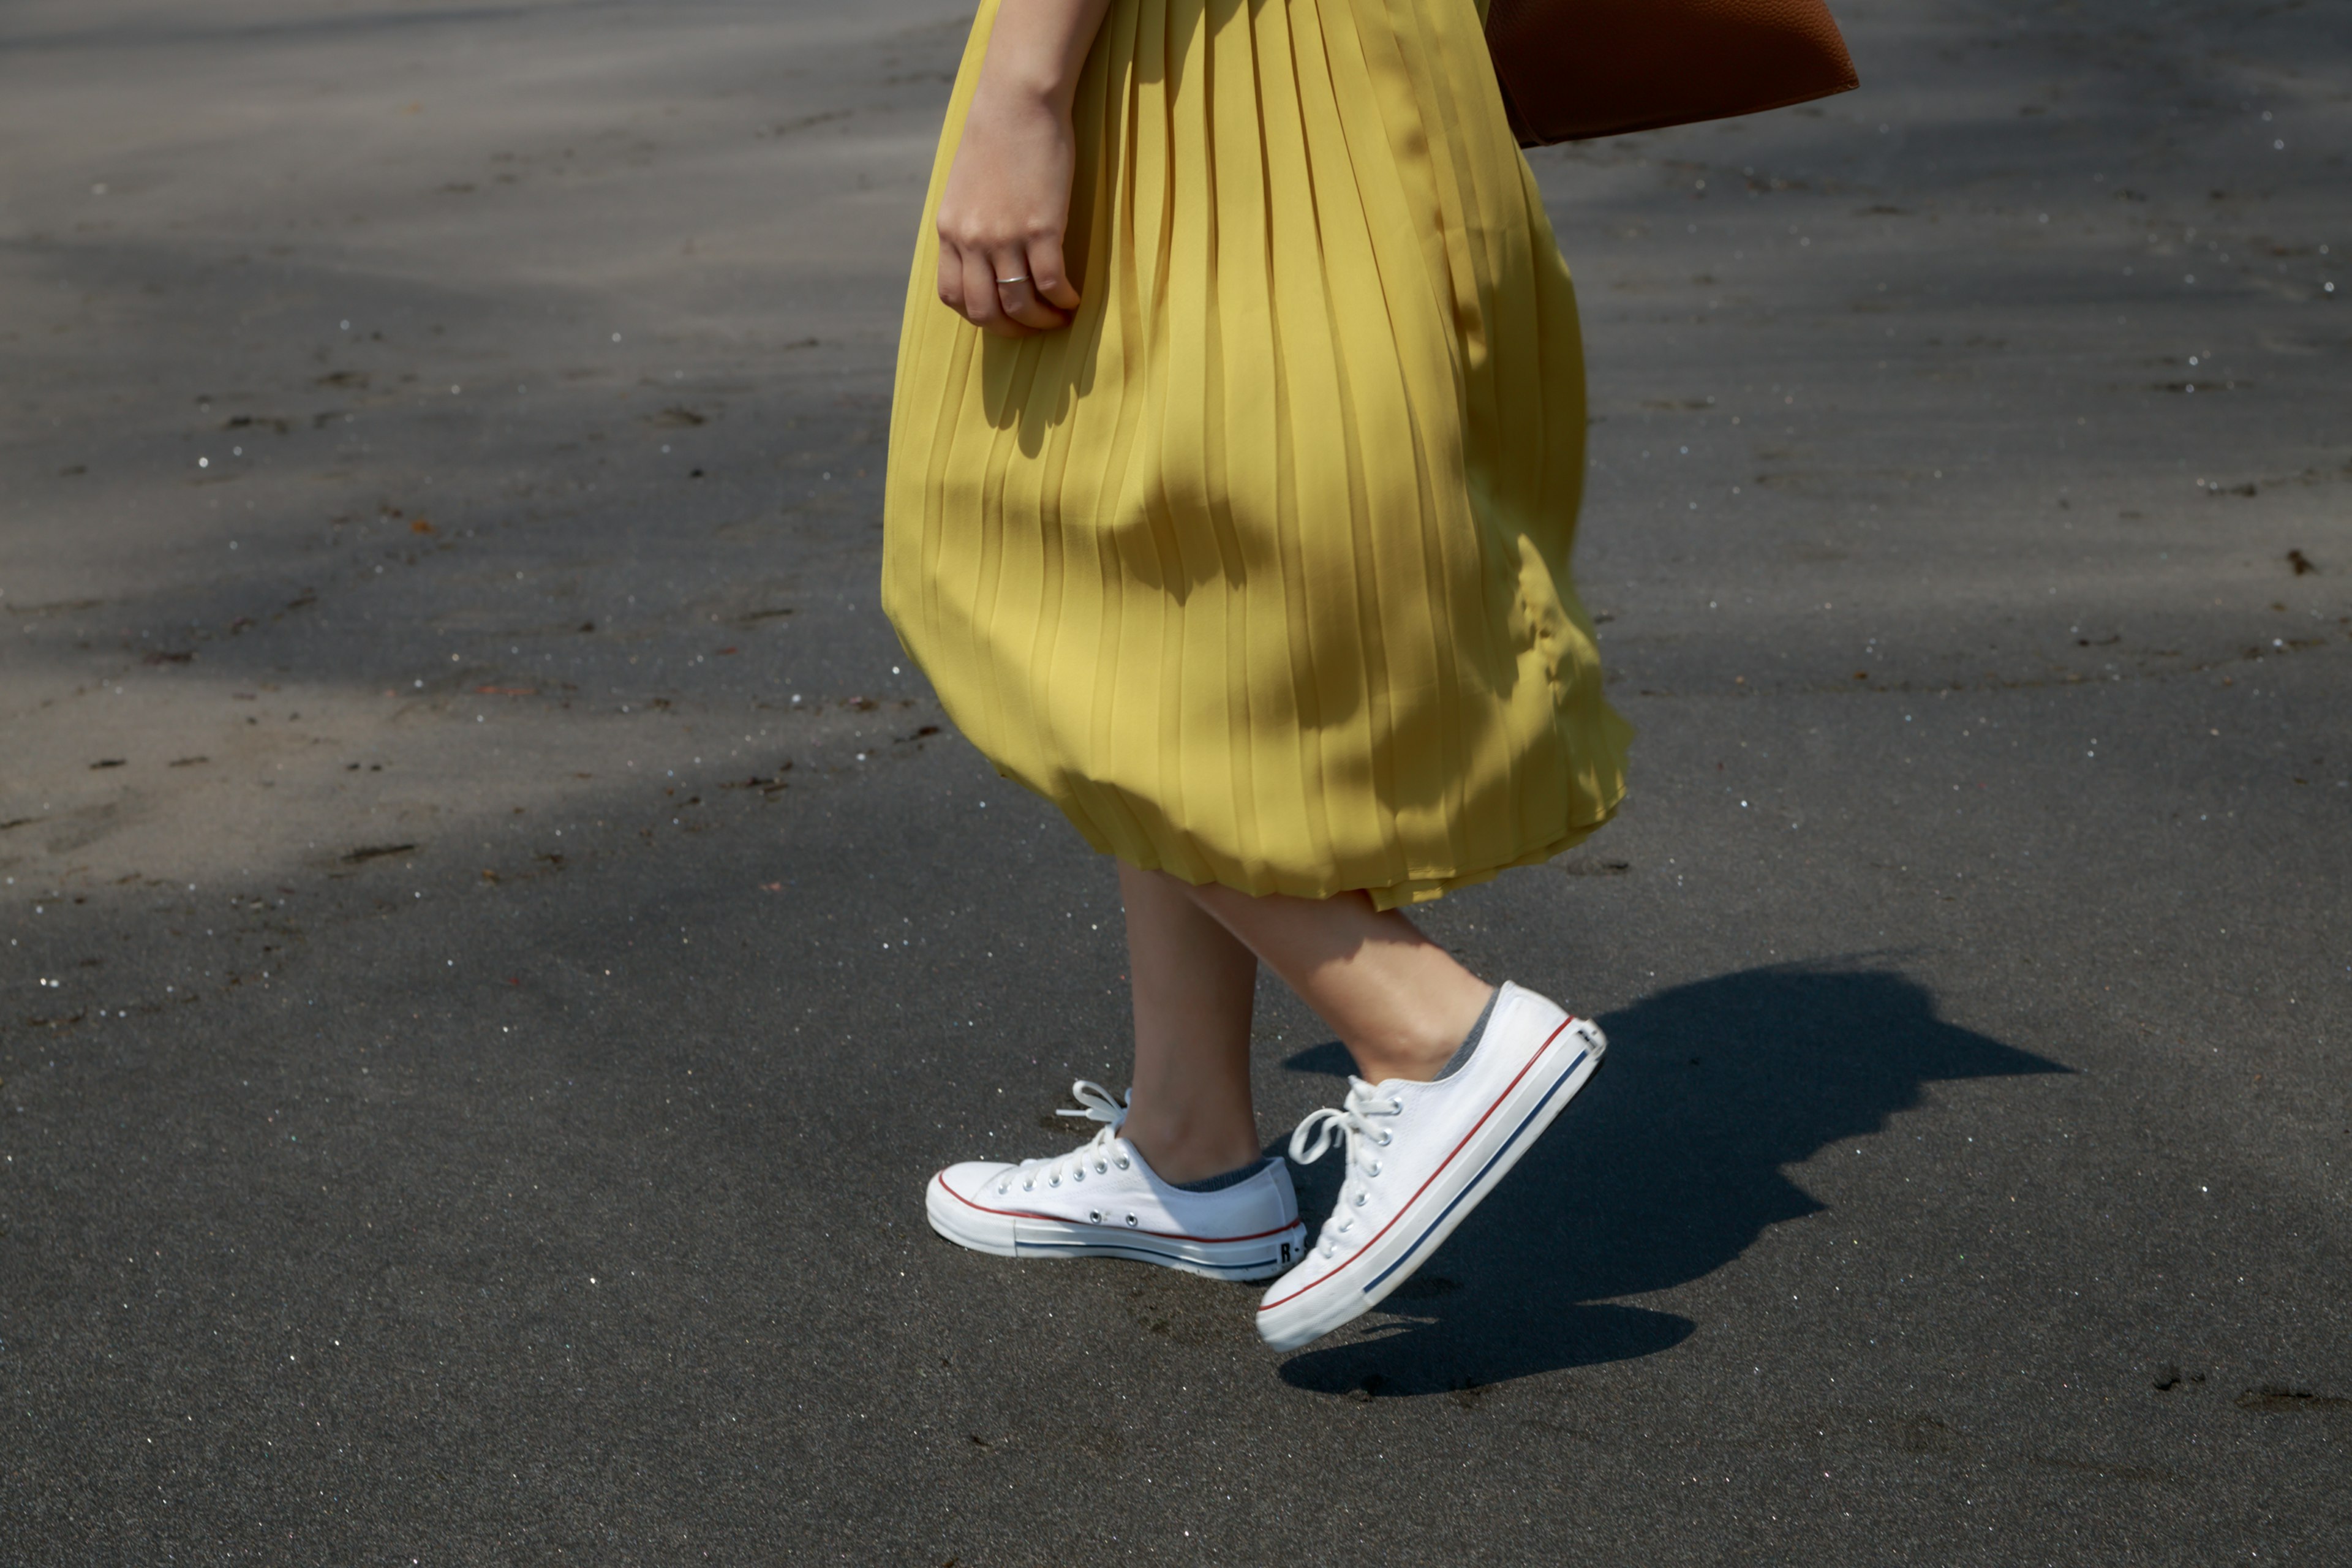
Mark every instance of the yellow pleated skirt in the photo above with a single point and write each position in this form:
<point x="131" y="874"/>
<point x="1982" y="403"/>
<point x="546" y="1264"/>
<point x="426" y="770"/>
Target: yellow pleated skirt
<point x="1259" y="571"/>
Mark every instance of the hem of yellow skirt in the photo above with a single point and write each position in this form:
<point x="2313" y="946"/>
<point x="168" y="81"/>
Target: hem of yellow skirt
<point x="1426" y="890"/>
<point x="1395" y="895"/>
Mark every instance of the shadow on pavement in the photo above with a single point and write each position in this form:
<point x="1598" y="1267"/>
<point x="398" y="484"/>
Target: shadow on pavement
<point x="1663" y="1171"/>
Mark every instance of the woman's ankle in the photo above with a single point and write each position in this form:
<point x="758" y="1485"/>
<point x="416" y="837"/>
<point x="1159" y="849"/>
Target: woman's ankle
<point x="1178" y="1154"/>
<point x="1418" y="1047"/>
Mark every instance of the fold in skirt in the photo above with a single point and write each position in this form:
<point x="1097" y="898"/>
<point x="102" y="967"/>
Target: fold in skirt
<point x="1259" y="570"/>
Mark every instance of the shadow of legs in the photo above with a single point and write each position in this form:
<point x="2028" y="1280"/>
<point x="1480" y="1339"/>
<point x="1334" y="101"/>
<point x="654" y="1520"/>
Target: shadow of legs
<point x="1667" y="1169"/>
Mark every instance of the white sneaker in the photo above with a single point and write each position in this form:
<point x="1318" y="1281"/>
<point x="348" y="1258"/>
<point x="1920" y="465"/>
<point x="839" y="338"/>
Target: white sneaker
<point x="1420" y="1156"/>
<point x="1102" y="1201"/>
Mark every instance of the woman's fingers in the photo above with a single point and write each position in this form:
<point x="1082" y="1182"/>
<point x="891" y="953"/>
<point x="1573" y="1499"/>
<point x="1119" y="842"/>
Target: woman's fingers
<point x="1049" y="275"/>
<point x="1017" y="290"/>
<point x="951" y="275"/>
<point x="983" y="302"/>
<point x="965" y="287"/>
<point x="1008" y="290"/>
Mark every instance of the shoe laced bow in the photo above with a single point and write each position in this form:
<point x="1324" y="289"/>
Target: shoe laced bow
<point x="1097" y="1154"/>
<point x="1351" y="1121"/>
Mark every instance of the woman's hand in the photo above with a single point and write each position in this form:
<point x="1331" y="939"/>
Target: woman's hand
<point x="1007" y="200"/>
<point x="1003" y="213"/>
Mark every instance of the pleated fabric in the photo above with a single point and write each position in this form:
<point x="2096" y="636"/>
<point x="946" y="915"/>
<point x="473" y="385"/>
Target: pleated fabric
<point x="1259" y="571"/>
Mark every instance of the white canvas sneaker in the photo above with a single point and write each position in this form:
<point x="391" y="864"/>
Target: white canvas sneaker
<point x="1420" y="1158"/>
<point x="1102" y="1201"/>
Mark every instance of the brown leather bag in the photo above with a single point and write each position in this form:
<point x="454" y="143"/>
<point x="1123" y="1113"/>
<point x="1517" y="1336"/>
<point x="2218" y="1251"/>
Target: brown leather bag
<point x="1572" y="69"/>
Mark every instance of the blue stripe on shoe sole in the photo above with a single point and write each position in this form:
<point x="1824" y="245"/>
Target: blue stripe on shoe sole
<point x="1145" y="1254"/>
<point x="1472" y="1184"/>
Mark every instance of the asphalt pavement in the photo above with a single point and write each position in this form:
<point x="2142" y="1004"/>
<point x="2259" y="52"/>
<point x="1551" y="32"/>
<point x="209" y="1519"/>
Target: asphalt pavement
<point x="497" y="935"/>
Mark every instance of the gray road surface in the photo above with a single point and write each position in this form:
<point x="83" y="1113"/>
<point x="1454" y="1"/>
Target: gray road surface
<point x="496" y="937"/>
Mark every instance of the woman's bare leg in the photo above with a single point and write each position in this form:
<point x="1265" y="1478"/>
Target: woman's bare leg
<point x="1400" y="1003"/>
<point x="1191" y="1116"/>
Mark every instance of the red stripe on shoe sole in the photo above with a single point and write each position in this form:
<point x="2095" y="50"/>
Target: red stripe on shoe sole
<point x="1120" y="1230"/>
<point x="1449" y="1159"/>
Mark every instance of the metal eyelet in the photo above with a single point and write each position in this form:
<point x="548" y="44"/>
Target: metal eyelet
<point x="1029" y="1186"/>
<point x="1348" y="1224"/>
<point x="1121" y="1163"/>
<point x="1079" y="1174"/>
<point x="1131" y="1222"/>
<point x="1359" y="1199"/>
<point x="1386" y="1138"/>
<point x="1101" y="1169"/>
<point x="1054" y="1179"/>
<point x="1374" y="1169"/>
<point x="1094" y="1216"/>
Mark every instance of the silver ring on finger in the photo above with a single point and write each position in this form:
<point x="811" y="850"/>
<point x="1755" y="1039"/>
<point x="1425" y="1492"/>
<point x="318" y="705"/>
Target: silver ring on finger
<point x="1023" y="279"/>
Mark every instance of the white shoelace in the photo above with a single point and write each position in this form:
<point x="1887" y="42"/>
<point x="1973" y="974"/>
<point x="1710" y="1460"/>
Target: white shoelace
<point x="1097" y="1154"/>
<point x="1314" y="1137"/>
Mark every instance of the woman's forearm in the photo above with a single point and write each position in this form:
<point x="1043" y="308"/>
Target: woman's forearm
<point x="1039" y="47"/>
